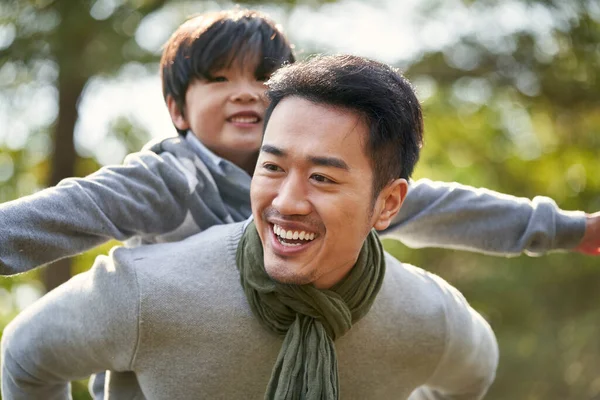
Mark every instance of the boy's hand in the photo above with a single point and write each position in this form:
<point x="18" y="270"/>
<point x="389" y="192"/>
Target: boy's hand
<point x="590" y="244"/>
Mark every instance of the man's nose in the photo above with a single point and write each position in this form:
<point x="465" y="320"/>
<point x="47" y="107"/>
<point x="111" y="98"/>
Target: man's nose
<point x="292" y="197"/>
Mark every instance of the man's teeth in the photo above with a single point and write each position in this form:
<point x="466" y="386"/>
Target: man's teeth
<point x="302" y="235"/>
<point x="245" y="120"/>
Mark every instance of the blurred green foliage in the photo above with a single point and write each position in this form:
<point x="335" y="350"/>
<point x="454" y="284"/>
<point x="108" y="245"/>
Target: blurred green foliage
<point x="486" y="126"/>
<point x="521" y="117"/>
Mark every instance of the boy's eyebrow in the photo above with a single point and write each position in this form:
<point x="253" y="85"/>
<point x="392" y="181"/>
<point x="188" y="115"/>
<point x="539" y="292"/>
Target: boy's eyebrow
<point x="317" y="160"/>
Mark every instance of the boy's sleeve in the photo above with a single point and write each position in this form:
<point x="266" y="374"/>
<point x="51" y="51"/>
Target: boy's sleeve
<point x="146" y="195"/>
<point x="450" y="215"/>
<point x="86" y="325"/>
<point x="468" y="365"/>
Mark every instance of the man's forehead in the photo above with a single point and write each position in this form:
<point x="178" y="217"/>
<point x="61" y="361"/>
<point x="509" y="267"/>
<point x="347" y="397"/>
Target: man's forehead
<point x="298" y="124"/>
<point x="319" y="109"/>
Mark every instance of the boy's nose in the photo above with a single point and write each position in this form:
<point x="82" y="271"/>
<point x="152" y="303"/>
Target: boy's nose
<point x="246" y="94"/>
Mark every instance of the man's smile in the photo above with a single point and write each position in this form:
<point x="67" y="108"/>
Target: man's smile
<point x="292" y="237"/>
<point x="286" y="242"/>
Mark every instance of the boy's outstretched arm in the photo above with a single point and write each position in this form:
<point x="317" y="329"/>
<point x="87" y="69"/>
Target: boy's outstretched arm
<point x="150" y="194"/>
<point x="450" y="215"/>
<point x="590" y="244"/>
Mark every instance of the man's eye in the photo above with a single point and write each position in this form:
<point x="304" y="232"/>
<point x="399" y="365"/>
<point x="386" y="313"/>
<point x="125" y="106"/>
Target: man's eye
<point x="219" y="79"/>
<point x="272" y="167"/>
<point x="321" y="178"/>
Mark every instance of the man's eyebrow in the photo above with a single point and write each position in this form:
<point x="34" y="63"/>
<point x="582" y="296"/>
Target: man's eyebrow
<point x="317" y="160"/>
<point x="329" y="162"/>
<point x="276" y="151"/>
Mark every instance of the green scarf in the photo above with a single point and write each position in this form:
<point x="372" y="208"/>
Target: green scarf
<point x="311" y="319"/>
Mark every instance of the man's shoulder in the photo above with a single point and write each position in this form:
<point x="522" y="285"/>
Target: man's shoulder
<point x="417" y="287"/>
<point x="400" y="273"/>
<point x="172" y="279"/>
<point x="412" y="308"/>
<point x="216" y="245"/>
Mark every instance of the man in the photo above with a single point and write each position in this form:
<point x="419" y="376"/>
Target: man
<point x="301" y="301"/>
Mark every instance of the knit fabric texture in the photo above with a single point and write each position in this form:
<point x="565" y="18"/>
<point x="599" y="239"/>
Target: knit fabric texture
<point x="309" y="318"/>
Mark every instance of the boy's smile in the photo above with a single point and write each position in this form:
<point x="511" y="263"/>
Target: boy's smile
<point x="245" y="119"/>
<point x="226" y="113"/>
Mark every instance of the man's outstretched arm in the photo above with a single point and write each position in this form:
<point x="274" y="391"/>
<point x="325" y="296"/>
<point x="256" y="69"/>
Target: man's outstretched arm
<point x="86" y="325"/>
<point x="450" y="215"/>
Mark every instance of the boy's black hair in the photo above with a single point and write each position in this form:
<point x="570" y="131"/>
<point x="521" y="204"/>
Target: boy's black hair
<point x="377" y="92"/>
<point x="210" y="41"/>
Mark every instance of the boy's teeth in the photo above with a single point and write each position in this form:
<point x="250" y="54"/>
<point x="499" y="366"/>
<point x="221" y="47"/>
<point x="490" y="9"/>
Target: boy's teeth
<point x="302" y="235"/>
<point x="244" y="120"/>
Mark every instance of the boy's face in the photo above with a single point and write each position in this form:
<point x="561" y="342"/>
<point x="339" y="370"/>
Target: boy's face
<point x="226" y="113"/>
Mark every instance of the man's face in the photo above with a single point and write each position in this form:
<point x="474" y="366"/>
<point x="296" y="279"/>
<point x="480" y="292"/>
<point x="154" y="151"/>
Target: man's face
<point x="226" y="113"/>
<point x="313" y="186"/>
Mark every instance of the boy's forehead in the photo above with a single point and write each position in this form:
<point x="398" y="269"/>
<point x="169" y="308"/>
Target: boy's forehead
<point x="243" y="61"/>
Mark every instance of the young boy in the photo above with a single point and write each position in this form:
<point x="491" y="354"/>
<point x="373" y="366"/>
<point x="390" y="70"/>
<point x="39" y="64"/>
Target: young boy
<point x="213" y="69"/>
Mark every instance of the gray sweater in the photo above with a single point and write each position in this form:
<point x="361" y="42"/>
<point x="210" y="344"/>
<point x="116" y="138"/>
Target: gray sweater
<point x="172" y="322"/>
<point x="178" y="187"/>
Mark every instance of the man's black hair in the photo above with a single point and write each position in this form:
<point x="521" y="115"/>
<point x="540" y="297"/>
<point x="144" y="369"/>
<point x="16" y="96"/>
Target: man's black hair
<point x="376" y="92"/>
<point x="211" y="41"/>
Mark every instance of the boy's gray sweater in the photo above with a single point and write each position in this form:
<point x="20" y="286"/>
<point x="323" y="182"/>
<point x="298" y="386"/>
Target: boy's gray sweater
<point x="176" y="188"/>
<point x="171" y="321"/>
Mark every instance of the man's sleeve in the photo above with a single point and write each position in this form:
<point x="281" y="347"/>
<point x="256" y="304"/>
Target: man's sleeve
<point x="87" y="325"/>
<point x="468" y="365"/>
<point x="450" y="215"/>
<point x="144" y="196"/>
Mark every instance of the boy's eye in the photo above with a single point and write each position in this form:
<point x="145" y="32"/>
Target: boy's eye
<point x="218" y="79"/>
<point x="321" y="179"/>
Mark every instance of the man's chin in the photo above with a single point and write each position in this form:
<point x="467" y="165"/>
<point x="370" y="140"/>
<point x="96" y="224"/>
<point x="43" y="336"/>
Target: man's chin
<point x="282" y="274"/>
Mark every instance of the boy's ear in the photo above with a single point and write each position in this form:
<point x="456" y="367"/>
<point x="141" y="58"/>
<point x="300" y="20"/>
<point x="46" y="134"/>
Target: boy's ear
<point x="388" y="203"/>
<point x="177" y="116"/>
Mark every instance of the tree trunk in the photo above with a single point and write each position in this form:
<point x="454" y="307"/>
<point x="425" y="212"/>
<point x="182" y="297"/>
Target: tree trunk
<point x="64" y="157"/>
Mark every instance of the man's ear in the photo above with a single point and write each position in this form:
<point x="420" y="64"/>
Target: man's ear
<point x="388" y="203"/>
<point x="176" y="114"/>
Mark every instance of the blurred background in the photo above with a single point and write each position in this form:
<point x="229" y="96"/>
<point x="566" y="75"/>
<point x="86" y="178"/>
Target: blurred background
<point x="511" y="97"/>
